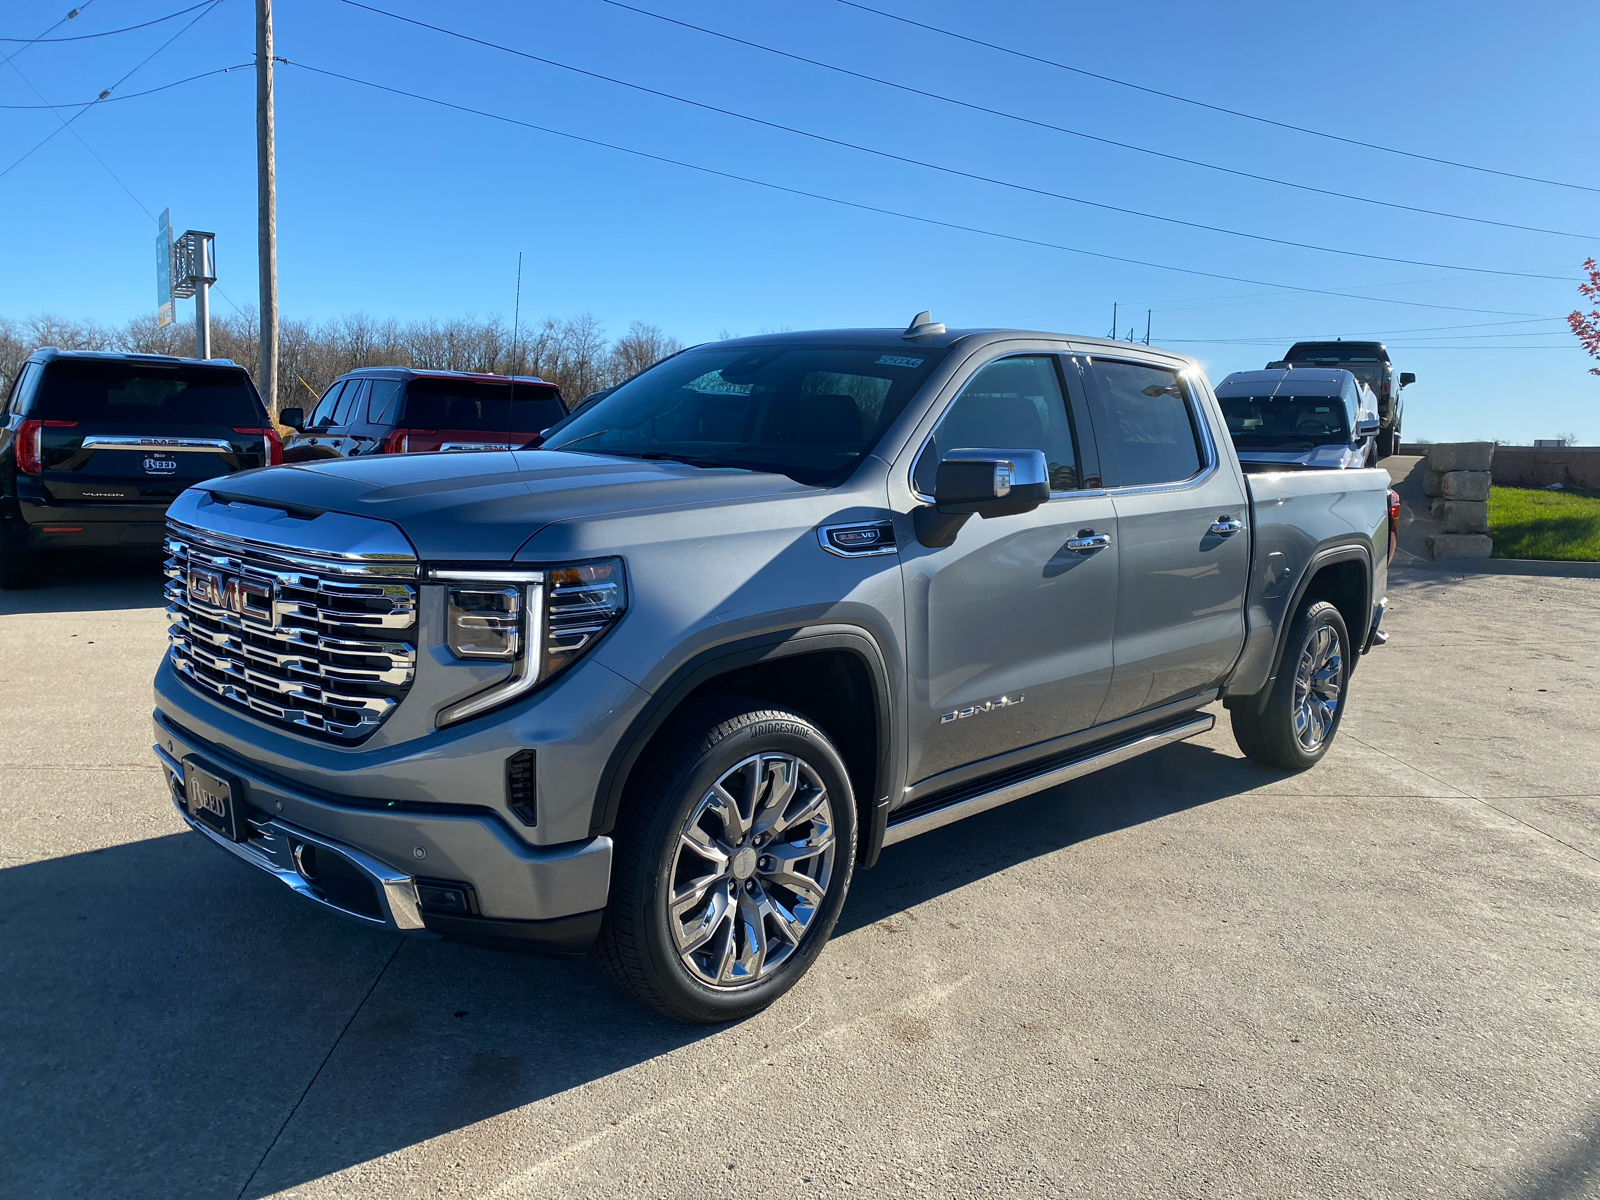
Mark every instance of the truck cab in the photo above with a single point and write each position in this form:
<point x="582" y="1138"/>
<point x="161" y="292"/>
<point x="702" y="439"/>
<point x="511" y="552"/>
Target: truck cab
<point x="1302" y="418"/>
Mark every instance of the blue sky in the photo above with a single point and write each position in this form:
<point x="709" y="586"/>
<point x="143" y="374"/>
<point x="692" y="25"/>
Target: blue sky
<point x="396" y="207"/>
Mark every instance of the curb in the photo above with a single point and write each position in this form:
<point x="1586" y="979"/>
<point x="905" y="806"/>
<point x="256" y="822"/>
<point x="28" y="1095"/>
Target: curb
<point x="1505" y="566"/>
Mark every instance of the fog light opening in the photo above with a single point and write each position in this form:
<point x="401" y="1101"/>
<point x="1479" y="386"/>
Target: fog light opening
<point x="446" y="898"/>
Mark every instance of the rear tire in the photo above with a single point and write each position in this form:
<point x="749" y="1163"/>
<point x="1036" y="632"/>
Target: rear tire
<point x="1297" y="724"/>
<point x="19" y="566"/>
<point x="733" y="857"/>
<point x="1388" y="442"/>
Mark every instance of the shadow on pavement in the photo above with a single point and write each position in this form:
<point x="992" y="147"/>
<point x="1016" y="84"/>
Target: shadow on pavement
<point x="164" y="1009"/>
<point x="90" y="581"/>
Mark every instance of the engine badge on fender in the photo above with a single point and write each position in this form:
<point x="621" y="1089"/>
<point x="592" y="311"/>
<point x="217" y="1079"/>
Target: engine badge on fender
<point x="975" y="709"/>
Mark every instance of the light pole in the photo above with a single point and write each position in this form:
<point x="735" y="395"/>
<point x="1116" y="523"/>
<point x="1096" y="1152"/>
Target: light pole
<point x="267" y="210"/>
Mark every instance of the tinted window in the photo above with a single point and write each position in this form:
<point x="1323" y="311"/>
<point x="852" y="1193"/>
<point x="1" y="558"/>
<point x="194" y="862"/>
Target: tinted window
<point x="323" y="415"/>
<point x="145" y="394"/>
<point x="383" y="406"/>
<point x="20" y="386"/>
<point x="467" y="404"/>
<point x="347" y="411"/>
<point x="1012" y="404"/>
<point x="1288" y="421"/>
<point x="1151" y="435"/>
<point x="809" y="412"/>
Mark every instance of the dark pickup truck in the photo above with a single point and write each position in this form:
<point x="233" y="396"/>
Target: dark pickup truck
<point x="657" y="687"/>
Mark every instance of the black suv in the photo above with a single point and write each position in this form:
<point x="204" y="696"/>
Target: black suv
<point x="396" y="410"/>
<point x="94" y="447"/>
<point x="1368" y="362"/>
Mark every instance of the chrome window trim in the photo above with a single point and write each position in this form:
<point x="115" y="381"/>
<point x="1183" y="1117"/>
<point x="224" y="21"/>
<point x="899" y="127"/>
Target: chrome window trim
<point x="100" y="441"/>
<point x="1211" y="461"/>
<point x="911" y="467"/>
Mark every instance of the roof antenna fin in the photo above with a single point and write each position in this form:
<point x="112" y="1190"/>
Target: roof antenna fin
<point x="922" y="325"/>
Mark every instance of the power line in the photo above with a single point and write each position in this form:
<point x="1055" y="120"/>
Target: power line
<point x="933" y="221"/>
<point x="1105" y="141"/>
<point x="1232" y="112"/>
<point x="84" y="37"/>
<point x="75" y="12"/>
<point x="66" y="122"/>
<point x="901" y="158"/>
<point x="130" y="95"/>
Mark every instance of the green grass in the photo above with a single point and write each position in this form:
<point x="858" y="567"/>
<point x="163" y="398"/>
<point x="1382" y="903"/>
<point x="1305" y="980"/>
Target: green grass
<point x="1526" y="523"/>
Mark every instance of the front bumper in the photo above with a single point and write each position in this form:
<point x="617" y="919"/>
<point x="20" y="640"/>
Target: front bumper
<point x="543" y="899"/>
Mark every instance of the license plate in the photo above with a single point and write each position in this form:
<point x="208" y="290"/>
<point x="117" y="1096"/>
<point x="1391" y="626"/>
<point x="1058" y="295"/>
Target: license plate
<point x="213" y="800"/>
<point x="161" y="466"/>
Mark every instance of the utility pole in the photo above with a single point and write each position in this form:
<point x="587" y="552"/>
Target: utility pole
<point x="1113" y="320"/>
<point x="267" y="210"/>
<point x="1147" y="326"/>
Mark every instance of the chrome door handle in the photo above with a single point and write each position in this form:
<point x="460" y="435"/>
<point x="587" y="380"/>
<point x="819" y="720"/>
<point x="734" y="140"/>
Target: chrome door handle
<point x="1088" y="545"/>
<point x="1223" y="526"/>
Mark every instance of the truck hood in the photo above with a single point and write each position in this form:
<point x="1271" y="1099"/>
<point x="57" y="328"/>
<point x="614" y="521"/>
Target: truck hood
<point x="481" y="507"/>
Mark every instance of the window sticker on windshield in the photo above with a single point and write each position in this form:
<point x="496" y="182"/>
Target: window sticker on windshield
<point x="897" y="360"/>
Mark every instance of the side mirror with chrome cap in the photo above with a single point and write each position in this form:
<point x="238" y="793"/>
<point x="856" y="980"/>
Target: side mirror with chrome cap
<point x="983" y="480"/>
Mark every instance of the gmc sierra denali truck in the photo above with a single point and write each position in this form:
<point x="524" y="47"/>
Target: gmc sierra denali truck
<point x="657" y="685"/>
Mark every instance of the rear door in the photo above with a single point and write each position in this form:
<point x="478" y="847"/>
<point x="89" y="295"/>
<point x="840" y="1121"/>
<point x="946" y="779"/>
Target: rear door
<point x="345" y="429"/>
<point x="121" y="438"/>
<point x="1182" y="521"/>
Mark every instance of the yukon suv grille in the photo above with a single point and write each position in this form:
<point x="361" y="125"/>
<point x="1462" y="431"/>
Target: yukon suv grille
<point x="324" y="645"/>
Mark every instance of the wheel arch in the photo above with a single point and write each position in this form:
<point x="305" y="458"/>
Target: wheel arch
<point x="1341" y="574"/>
<point x="835" y="675"/>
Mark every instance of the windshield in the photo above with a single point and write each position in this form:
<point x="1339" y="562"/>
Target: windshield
<point x="811" y="413"/>
<point x="1286" y="422"/>
<point x="109" y="391"/>
<point x="483" y="407"/>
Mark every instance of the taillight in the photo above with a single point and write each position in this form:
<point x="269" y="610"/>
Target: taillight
<point x="399" y="440"/>
<point x="271" y="444"/>
<point x="1394" y="522"/>
<point x="30" y="443"/>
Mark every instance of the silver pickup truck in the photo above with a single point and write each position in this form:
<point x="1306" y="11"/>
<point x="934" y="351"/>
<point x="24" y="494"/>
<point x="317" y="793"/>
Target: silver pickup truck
<point x="658" y="685"/>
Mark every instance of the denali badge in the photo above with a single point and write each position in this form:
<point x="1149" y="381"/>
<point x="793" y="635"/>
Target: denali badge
<point x="247" y="597"/>
<point x="986" y="706"/>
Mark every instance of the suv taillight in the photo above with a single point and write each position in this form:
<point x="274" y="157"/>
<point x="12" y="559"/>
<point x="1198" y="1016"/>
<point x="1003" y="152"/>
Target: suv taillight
<point x="271" y="443"/>
<point x="30" y="442"/>
<point x="1394" y="521"/>
<point x="399" y="440"/>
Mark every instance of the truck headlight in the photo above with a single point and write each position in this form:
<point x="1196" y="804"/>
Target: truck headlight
<point x="540" y="621"/>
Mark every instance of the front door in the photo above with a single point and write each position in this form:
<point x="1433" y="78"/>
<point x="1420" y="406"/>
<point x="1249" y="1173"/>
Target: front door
<point x="1009" y="629"/>
<point x="1182" y="523"/>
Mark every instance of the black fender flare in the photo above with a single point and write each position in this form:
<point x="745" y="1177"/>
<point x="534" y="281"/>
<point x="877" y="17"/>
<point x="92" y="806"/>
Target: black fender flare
<point x="1349" y="548"/>
<point x="744" y="652"/>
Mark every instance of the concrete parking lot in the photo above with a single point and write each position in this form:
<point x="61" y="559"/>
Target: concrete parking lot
<point x="1186" y="976"/>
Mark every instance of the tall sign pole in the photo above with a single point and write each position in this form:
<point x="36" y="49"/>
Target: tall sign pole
<point x="267" y="204"/>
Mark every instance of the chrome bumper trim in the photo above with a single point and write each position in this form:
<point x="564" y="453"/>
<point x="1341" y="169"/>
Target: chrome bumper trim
<point x="275" y="846"/>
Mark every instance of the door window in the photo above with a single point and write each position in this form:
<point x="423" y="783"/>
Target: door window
<point x="1151" y="436"/>
<point x="348" y="410"/>
<point x="17" y="400"/>
<point x="382" y="407"/>
<point x="1010" y="404"/>
<point x="324" y="410"/>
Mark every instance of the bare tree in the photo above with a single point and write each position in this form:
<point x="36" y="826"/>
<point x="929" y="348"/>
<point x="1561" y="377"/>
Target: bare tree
<point x="642" y="346"/>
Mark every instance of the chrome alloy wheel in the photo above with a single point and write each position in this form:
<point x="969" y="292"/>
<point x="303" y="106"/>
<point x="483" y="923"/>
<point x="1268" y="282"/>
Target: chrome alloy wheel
<point x="751" y="869"/>
<point x="1318" y="681"/>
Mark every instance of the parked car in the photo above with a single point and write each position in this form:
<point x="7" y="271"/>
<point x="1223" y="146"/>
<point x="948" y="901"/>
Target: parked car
<point x="1303" y="418"/>
<point x="394" y="410"/>
<point x="95" y="446"/>
<point x="1369" y="362"/>
<point x="659" y="686"/>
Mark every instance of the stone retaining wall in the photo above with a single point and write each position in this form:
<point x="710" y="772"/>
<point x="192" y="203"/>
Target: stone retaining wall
<point x="1456" y="478"/>
<point x="1570" y="466"/>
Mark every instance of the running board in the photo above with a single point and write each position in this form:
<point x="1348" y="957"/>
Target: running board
<point x="966" y="806"/>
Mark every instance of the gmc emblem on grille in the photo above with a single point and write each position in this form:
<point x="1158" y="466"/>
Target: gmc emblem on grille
<point x="246" y="597"/>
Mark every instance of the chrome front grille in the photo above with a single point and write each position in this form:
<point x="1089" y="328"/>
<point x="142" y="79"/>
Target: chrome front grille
<point x="326" y="645"/>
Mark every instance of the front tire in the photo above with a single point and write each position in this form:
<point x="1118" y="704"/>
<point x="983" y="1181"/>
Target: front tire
<point x="1301" y="715"/>
<point x="733" y="857"/>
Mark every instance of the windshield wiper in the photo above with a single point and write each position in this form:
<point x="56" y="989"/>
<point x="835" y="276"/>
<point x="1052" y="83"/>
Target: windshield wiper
<point x="689" y="459"/>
